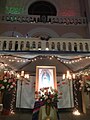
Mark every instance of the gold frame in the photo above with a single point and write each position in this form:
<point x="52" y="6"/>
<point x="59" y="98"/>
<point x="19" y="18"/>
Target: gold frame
<point x="53" y="68"/>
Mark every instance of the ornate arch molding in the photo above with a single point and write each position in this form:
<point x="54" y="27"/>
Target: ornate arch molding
<point x="42" y="8"/>
<point x="38" y="32"/>
<point x="30" y="2"/>
<point x="71" y="35"/>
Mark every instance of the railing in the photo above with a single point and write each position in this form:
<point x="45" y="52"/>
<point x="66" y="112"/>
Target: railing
<point x="35" y="44"/>
<point x="43" y="19"/>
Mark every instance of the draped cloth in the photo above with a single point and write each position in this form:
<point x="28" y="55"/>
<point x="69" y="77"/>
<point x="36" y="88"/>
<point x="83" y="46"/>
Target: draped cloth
<point x="36" y="109"/>
<point x="44" y="116"/>
<point x="39" y="111"/>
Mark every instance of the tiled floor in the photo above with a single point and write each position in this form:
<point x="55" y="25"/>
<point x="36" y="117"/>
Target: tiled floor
<point x="63" y="116"/>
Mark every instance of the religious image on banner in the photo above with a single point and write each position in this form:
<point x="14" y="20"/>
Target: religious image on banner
<point x="46" y="78"/>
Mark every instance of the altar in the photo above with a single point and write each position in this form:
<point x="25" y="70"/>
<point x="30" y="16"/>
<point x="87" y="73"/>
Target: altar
<point x="26" y="92"/>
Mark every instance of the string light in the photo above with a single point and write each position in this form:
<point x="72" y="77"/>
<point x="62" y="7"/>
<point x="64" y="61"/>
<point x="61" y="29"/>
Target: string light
<point x="69" y="77"/>
<point x="64" y="60"/>
<point x="12" y="103"/>
<point x="75" y="111"/>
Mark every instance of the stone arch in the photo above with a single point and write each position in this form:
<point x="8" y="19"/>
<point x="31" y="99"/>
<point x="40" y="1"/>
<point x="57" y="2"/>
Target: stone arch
<point x="86" y="46"/>
<point x="29" y="2"/>
<point x="42" y="8"/>
<point x="42" y="32"/>
<point x="71" y="35"/>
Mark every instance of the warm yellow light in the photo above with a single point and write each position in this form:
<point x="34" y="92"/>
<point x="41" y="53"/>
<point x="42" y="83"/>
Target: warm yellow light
<point x="22" y="73"/>
<point x="68" y="75"/>
<point x="5" y="64"/>
<point x="5" y="71"/>
<point x="63" y="76"/>
<point x="76" y="112"/>
<point x="47" y="49"/>
<point x="73" y="76"/>
<point x="12" y="113"/>
<point x="39" y="48"/>
<point x="18" y="76"/>
<point x="27" y="76"/>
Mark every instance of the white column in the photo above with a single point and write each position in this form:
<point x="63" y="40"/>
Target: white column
<point x="13" y="45"/>
<point x="72" y="44"/>
<point x="24" y="46"/>
<point x="43" y="45"/>
<point x="61" y="46"/>
<point x="7" y="45"/>
<point x="66" y="46"/>
<point x="1" y="45"/>
<point x="19" y="43"/>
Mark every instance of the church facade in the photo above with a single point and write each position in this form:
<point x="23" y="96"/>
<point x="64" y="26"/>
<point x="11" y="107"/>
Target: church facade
<point x="46" y="29"/>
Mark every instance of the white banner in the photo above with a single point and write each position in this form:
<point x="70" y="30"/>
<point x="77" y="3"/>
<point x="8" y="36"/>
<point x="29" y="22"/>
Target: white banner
<point x="66" y="88"/>
<point x="26" y="93"/>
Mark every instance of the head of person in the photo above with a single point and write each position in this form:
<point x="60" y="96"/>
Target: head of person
<point x="46" y="76"/>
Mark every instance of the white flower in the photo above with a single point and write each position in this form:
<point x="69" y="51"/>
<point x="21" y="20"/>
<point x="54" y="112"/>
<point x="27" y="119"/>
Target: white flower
<point x="2" y="87"/>
<point x="11" y="86"/>
<point x="5" y="80"/>
<point x="88" y="89"/>
<point x="13" y="83"/>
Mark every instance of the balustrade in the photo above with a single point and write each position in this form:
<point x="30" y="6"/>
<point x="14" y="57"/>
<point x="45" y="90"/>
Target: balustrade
<point x="54" y="44"/>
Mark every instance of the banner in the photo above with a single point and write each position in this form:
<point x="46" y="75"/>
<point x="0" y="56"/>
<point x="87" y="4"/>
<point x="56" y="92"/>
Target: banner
<point x="26" y="93"/>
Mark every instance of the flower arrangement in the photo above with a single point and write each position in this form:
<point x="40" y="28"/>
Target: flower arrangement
<point x="8" y="90"/>
<point x="8" y="82"/>
<point x="85" y="84"/>
<point x="48" y="93"/>
<point x="87" y="87"/>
